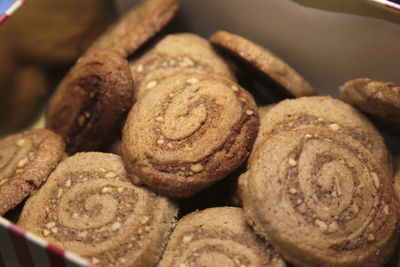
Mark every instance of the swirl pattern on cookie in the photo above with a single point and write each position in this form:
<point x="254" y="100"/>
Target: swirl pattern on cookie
<point x="217" y="237"/>
<point x="177" y="53"/>
<point x="90" y="101"/>
<point x="336" y="203"/>
<point x="326" y="112"/>
<point x="26" y="159"/>
<point x="88" y="206"/>
<point x="191" y="131"/>
<point x="135" y="27"/>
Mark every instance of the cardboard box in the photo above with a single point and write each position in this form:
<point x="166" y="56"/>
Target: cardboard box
<point x="326" y="47"/>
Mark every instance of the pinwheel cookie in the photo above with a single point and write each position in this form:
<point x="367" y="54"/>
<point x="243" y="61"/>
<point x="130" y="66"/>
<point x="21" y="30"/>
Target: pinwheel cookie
<point x="191" y="131"/>
<point x="135" y="27"/>
<point x="326" y="112"/>
<point x="88" y="206"/>
<point x="321" y="199"/>
<point x="381" y="99"/>
<point x="26" y="159"/>
<point x="217" y="237"/>
<point x="265" y="61"/>
<point x="90" y="101"/>
<point x="177" y="53"/>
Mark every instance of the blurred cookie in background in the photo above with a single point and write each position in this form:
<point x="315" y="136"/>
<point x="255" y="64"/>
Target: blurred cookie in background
<point x="39" y="42"/>
<point x="55" y="31"/>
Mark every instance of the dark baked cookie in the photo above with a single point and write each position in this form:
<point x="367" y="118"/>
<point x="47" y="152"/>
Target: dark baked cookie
<point x="135" y="27"/>
<point x="217" y="237"/>
<point x="333" y="114"/>
<point x="89" y="207"/>
<point x="265" y="61"/>
<point x="381" y="99"/>
<point x="26" y="159"/>
<point x="191" y="131"/>
<point x="177" y="53"/>
<point x="90" y="101"/>
<point x="321" y="199"/>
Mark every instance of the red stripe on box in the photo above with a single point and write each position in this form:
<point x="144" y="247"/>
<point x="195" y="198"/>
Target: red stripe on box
<point x="18" y="239"/>
<point x="3" y="18"/>
<point x="56" y="256"/>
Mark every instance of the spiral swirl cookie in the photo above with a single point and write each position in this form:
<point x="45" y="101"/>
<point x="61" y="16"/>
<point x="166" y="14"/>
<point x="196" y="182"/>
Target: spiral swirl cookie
<point x="326" y="112"/>
<point x="321" y="199"/>
<point x="265" y="61"/>
<point x="88" y="206"/>
<point x="217" y="237"/>
<point x="177" y="53"/>
<point x="26" y="159"/>
<point x="135" y="27"/>
<point x="374" y="97"/>
<point x="90" y="101"/>
<point x="191" y="131"/>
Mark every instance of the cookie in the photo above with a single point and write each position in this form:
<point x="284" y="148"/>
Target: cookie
<point x="43" y="31"/>
<point x="381" y="99"/>
<point x="321" y="199"/>
<point x="324" y="111"/>
<point x="217" y="237"/>
<point x="265" y="61"/>
<point x="264" y="110"/>
<point x="90" y="101"/>
<point x="26" y="159"/>
<point x="135" y="27"/>
<point x="177" y="53"/>
<point x="89" y="207"/>
<point x="191" y="131"/>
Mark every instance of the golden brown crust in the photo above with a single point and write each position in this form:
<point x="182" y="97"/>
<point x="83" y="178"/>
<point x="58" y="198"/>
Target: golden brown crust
<point x="328" y="201"/>
<point x="177" y="53"/>
<point x="90" y="101"/>
<point x="217" y="237"/>
<point x="89" y="207"/>
<point x="333" y="114"/>
<point x="265" y="61"/>
<point x="374" y="97"/>
<point x="135" y="27"/>
<point x="191" y="131"/>
<point x="26" y="159"/>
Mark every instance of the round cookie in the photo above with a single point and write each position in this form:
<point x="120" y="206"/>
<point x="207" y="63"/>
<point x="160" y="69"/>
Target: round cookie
<point x="217" y="237"/>
<point x="381" y="99"/>
<point x="90" y="101"/>
<point x="265" y="61"/>
<point x="135" y="27"/>
<point x="264" y="110"/>
<point x="43" y="31"/>
<point x="191" y="131"/>
<point x="324" y="111"/>
<point x="26" y="159"/>
<point x="321" y="199"/>
<point x="88" y="206"/>
<point x="177" y="53"/>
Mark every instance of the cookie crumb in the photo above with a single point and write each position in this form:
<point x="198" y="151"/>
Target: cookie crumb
<point x="193" y="80"/>
<point x="187" y="239"/>
<point x="110" y="175"/>
<point x="371" y="237"/>
<point x="196" y="167"/>
<point x="334" y="126"/>
<point x="106" y="190"/>
<point x="151" y="84"/>
<point x="22" y="162"/>
<point x="292" y="190"/>
<point x="115" y="226"/>
<point x="292" y="162"/>
<point x="375" y="179"/>
<point x="3" y="181"/>
<point x="249" y="112"/>
<point x="20" y="142"/>
<point x="139" y="68"/>
<point x="68" y="183"/>
<point x="50" y="225"/>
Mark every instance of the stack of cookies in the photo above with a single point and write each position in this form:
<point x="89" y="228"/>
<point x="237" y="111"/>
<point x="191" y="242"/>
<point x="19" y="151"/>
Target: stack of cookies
<point x="314" y="176"/>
